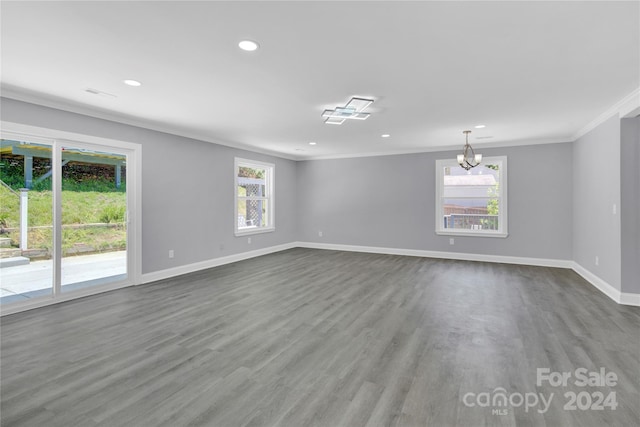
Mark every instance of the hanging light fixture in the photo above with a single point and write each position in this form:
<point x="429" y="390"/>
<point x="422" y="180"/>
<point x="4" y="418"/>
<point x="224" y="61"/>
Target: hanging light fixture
<point x="468" y="159"/>
<point x="353" y="110"/>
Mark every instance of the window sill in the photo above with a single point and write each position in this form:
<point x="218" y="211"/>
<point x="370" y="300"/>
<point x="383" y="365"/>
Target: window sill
<point x="256" y="230"/>
<point x="469" y="233"/>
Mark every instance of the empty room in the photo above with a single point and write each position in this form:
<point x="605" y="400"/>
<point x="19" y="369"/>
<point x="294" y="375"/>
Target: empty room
<point x="319" y="213"/>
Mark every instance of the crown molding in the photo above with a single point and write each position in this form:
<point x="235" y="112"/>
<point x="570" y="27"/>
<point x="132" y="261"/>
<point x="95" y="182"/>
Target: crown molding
<point x="19" y="94"/>
<point x="439" y="149"/>
<point x="71" y="107"/>
<point x="626" y="107"/>
<point x="629" y="106"/>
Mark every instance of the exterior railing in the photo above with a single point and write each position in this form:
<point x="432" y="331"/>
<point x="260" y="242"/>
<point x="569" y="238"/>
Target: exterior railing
<point x="471" y="221"/>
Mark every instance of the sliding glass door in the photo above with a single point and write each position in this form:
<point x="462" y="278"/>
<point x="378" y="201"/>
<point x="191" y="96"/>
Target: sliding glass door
<point x="65" y="219"/>
<point x="94" y="207"/>
<point x="26" y="221"/>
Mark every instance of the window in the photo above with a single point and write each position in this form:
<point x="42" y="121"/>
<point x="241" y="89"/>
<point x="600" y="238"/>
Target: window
<point x="474" y="202"/>
<point x="254" y="197"/>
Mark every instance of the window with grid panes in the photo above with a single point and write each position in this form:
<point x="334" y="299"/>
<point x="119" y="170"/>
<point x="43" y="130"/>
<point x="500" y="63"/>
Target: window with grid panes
<point x="254" y="197"/>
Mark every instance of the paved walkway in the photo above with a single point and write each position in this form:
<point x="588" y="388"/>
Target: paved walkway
<point x="36" y="278"/>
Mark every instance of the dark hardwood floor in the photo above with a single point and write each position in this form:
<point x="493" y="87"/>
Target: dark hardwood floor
<point x="323" y="338"/>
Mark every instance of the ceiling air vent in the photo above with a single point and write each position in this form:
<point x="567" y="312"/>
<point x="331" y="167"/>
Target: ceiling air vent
<point x="99" y="92"/>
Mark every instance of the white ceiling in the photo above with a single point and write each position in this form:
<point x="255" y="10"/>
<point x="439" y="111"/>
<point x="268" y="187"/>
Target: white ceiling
<point x="532" y="72"/>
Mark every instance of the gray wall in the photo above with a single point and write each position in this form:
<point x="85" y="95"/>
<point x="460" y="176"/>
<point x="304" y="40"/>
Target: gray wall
<point x="187" y="188"/>
<point x="560" y="198"/>
<point x="630" y="203"/>
<point x="596" y="188"/>
<point x="388" y="201"/>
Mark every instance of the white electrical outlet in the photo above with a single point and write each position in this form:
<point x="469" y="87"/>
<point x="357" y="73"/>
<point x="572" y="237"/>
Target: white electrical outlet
<point x="249" y="240"/>
<point x="170" y="253"/>
<point x="319" y="233"/>
<point x="452" y="241"/>
<point x="597" y="260"/>
<point x="615" y="209"/>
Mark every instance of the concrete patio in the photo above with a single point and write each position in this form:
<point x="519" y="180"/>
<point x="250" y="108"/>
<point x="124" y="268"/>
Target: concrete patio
<point x="22" y="282"/>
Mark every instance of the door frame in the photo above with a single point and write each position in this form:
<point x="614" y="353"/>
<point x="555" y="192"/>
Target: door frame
<point x="57" y="139"/>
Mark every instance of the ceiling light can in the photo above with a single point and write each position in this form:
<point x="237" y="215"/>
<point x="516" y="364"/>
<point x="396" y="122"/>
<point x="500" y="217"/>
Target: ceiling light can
<point x="131" y="82"/>
<point x="248" y="45"/>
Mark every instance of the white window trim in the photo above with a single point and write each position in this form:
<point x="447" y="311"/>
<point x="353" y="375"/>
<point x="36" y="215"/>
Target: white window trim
<point x="502" y="207"/>
<point x="271" y="197"/>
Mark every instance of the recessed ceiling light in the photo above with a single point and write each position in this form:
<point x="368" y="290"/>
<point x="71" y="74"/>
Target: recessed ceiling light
<point x="385" y="135"/>
<point x="248" y="45"/>
<point x="132" y="83"/>
<point x="312" y="143"/>
<point x="481" y="126"/>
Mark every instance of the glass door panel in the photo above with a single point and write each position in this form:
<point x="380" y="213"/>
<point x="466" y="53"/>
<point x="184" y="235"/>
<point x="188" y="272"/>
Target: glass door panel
<point x="26" y="221"/>
<point x="93" y="213"/>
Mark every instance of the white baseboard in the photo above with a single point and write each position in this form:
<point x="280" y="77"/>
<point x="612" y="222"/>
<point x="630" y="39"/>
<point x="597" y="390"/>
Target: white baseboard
<point x="596" y="281"/>
<point x="601" y="285"/>
<point x="627" y="298"/>
<point x="541" y="262"/>
<point x="215" y="262"/>
<point x="624" y="298"/>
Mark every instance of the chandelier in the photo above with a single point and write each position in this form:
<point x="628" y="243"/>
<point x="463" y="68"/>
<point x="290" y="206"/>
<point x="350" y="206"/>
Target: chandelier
<point x="468" y="159"/>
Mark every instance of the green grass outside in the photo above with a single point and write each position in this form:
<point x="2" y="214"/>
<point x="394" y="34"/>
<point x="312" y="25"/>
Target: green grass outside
<point x="78" y="207"/>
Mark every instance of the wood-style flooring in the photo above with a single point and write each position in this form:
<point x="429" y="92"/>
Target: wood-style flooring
<point x="324" y="338"/>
